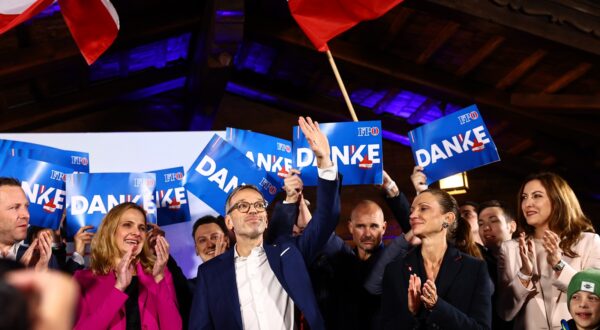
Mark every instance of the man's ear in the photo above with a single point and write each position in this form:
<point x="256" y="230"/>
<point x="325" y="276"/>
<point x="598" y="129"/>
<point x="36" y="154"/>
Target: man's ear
<point x="228" y="222"/>
<point x="512" y="226"/>
<point x="384" y="225"/>
<point x="350" y="226"/>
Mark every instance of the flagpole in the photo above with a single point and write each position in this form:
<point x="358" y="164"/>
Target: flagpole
<point x="342" y="87"/>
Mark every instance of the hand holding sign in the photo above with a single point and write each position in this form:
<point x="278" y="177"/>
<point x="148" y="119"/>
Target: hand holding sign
<point x="293" y="186"/>
<point x="317" y="140"/>
<point x="419" y="179"/>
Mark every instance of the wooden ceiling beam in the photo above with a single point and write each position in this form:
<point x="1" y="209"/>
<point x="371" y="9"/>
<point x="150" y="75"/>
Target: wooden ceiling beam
<point x="81" y="102"/>
<point x="521" y="69"/>
<point x="419" y="79"/>
<point x="400" y="20"/>
<point x="480" y="55"/>
<point x="565" y="104"/>
<point x="440" y="39"/>
<point x="569" y="77"/>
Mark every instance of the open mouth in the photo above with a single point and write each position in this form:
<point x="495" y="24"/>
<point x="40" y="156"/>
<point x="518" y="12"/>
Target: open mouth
<point x="132" y="242"/>
<point x="584" y="316"/>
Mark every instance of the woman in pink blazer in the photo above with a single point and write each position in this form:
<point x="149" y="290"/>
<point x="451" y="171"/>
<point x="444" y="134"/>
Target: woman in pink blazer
<point x="127" y="287"/>
<point x="557" y="241"/>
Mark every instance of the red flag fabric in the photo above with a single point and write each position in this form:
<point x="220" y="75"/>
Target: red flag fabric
<point x="322" y="20"/>
<point x="94" y="24"/>
<point x="15" y="12"/>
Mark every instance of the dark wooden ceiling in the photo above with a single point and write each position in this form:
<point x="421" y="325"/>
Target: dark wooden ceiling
<point x="532" y="67"/>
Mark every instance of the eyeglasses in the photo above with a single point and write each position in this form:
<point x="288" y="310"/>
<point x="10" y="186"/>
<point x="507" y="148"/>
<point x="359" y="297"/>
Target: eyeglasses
<point x="244" y="207"/>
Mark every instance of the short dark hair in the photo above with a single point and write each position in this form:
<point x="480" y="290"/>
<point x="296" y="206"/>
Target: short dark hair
<point x="471" y="203"/>
<point x="6" y="181"/>
<point x="508" y="212"/>
<point x="219" y="221"/>
<point x="238" y="189"/>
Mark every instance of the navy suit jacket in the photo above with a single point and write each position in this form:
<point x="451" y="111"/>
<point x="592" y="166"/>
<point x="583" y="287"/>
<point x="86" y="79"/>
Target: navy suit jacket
<point x="463" y="286"/>
<point x="216" y="302"/>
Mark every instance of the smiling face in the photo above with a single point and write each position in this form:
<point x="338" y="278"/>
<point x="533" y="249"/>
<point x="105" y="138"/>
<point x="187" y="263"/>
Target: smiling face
<point x="585" y="309"/>
<point x="494" y="227"/>
<point x="367" y="227"/>
<point x="427" y="216"/>
<point x="14" y="214"/>
<point x="251" y="224"/>
<point x="131" y="232"/>
<point x="535" y="204"/>
<point x="206" y="239"/>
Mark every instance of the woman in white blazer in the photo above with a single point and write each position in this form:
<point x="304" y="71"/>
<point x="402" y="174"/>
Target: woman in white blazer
<point x="557" y="240"/>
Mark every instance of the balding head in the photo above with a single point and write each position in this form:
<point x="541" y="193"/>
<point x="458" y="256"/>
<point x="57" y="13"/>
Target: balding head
<point x="367" y="226"/>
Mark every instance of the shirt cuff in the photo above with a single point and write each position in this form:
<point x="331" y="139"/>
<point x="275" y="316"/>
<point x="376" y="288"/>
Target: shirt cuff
<point x="329" y="173"/>
<point x="78" y="258"/>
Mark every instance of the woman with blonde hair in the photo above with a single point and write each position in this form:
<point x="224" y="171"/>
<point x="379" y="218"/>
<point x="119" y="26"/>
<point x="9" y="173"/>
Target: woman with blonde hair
<point x="127" y="287"/>
<point x="557" y="241"/>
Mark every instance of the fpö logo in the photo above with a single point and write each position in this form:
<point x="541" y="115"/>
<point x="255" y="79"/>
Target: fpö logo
<point x="368" y="131"/>
<point x="463" y="119"/>
<point x="76" y="160"/>
<point x="284" y="147"/>
<point x="171" y="177"/>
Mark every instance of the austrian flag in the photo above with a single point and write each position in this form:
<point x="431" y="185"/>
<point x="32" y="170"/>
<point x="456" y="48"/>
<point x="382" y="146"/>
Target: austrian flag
<point x="94" y="24"/>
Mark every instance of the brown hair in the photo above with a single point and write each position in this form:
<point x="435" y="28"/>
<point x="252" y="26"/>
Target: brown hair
<point x="6" y="181"/>
<point x="462" y="232"/>
<point x="104" y="247"/>
<point x="566" y="217"/>
<point x="463" y="239"/>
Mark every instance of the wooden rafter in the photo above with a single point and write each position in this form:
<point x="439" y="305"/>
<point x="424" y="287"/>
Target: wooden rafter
<point x="444" y="86"/>
<point x="570" y="104"/>
<point x="440" y="39"/>
<point x="480" y="55"/>
<point x="395" y="27"/>
<point x="569" y="77"/>
<point x="520" y="147"/>
<point x="521" y="69"/>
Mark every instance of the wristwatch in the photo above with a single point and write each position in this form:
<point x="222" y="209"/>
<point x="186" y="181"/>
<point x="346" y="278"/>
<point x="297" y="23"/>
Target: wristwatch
<point x="559" y="266"/>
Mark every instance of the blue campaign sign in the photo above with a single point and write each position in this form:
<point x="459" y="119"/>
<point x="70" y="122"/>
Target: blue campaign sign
<point x="272" y="154"/>
<point x="355" y="148"/>
<point x="220" y="168"/>
<point x="91" y="195"/>
<point x="452" y="144"/>
<point x="171" y="197"/>
<point x="44" y="186"/>
<point x="76" y="160"/>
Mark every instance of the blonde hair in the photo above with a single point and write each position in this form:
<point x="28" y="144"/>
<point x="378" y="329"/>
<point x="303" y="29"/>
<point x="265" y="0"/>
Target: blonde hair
<point x="104" y="247"/>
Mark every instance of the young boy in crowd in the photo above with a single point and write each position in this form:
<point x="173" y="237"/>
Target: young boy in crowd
<point x="583" y="295"/>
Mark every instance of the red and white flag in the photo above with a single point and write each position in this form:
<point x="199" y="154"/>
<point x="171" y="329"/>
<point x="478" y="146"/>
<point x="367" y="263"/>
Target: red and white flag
<point x="94" y="24"/>
<point x="322" y="20"/>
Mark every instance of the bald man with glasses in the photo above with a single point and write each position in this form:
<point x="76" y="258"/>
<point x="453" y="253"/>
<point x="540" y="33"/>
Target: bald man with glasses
<point x="256" y="285"/>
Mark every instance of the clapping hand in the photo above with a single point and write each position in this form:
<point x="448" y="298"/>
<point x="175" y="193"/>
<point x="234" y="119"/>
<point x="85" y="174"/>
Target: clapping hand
<point x="527" y="253"/>
<point x="124" y="271"/>
<point x="161" y="249"/>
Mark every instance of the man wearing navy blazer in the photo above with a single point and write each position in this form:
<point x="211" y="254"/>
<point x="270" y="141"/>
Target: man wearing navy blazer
<point x="256" y="285"/>
<point x="14" y="219"/>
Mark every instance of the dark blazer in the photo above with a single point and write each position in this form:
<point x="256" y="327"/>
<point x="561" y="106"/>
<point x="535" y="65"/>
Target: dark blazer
<point x="464" y="293"/>
<point x="216" y="302"/>
<point x="52" y="263"/>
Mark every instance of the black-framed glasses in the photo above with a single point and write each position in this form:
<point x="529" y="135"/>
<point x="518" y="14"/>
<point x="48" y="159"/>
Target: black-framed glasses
<point x="244" y="207"/>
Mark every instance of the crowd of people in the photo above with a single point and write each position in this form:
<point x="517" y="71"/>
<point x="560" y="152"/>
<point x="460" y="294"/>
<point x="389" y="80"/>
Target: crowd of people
<point x="471" y="266"/>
